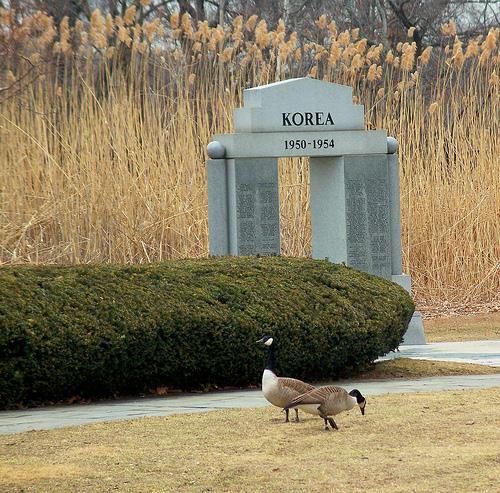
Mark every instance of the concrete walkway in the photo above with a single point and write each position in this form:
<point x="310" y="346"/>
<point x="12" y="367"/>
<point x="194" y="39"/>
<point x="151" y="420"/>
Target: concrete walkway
<point x="79" y="414"/>
<point x="484" y="352"/>
<point x="478" y="352"/>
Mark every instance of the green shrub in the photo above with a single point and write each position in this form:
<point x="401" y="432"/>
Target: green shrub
<point x="98" y="331"/>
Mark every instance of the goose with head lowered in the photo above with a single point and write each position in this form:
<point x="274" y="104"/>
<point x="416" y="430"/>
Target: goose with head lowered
<point x="280" y="391"/>
<point x="328" y="401"/>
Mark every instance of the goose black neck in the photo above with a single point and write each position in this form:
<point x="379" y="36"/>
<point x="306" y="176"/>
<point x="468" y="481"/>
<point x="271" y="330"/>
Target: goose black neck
<point x="271" y="358"/>
<point x="357" y="394"/>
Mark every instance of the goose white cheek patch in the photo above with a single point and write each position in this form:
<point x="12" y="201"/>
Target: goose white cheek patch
<point x="269" y="341"/>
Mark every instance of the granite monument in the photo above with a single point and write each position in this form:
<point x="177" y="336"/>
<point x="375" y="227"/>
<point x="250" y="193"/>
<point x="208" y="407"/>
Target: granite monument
<point x="354" y="180"/>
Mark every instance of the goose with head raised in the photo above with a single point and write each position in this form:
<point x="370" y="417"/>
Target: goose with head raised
<point x="328" y="401"/>
<point x="279" y="391"/>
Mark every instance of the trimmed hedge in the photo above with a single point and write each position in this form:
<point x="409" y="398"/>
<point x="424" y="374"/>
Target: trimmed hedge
<point x="99" y="331"/>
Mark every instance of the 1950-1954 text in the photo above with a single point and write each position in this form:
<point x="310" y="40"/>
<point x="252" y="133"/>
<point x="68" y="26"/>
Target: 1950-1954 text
<point x="309" y="144"/>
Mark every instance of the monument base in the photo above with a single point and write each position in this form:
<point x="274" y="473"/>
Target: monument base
<point x="415" y="333"/>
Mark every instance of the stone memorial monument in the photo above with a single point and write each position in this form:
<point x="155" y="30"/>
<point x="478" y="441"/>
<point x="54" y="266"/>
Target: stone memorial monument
<point x="354" y="180"/>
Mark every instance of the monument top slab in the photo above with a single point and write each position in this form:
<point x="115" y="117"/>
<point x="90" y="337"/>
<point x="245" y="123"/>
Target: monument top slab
<point x="298" y="105"/>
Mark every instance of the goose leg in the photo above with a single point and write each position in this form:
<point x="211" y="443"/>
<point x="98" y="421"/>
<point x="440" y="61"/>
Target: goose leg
<point x="333" y="424"/>
<point x="286" y="413"/>
<point x="296" y="415"/>
<point x="326" y="421"/>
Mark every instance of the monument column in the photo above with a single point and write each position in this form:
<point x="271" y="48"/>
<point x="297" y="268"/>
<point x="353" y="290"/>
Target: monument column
<point x="218" y="223"/>
<point x="253" y="206"/>
<point x="394" y="198"/>
<point x="350" y="212"/>
<point x="415" y="333"/>
<point x="243" y="204"/>
<point x="328" y="217"/>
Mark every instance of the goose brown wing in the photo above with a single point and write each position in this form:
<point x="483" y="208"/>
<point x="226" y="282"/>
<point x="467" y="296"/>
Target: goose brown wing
<point x="295" y="385"/>
<point x="317" y="396"/>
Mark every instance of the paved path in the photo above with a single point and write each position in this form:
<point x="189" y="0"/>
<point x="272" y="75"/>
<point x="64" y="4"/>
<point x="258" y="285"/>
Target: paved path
<point x="479" y="352"/>
<point x="79" y="414"/>
<point x="483" y="352"/>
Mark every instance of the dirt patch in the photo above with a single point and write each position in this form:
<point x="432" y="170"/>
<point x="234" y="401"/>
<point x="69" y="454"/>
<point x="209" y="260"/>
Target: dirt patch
<point x="472" y="327"/>
<point x="437" y="309"/>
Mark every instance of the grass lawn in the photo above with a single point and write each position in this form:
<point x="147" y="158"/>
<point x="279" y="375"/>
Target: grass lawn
<point x="463" y="328"/>
<point x="434" y="442"/>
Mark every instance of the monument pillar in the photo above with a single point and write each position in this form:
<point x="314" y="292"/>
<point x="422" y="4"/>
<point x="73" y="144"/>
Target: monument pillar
<point x="415" y="333"/>
<point x="328" y="217"/>
<point x="350" y="212"/>
<point x="253" y="206"/>
<point x="218" y="222"/>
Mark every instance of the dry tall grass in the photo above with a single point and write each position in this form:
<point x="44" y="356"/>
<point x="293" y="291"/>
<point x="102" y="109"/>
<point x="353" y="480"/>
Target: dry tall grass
<point x="103" y="134"/>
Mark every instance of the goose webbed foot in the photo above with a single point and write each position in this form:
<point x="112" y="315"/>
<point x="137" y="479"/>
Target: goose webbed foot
<point x="331" y="421"/>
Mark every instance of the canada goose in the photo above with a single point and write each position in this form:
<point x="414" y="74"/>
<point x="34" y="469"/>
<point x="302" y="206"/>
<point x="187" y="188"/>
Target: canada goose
<point x="328" y="401"/>
<point x="280" y="391"/>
